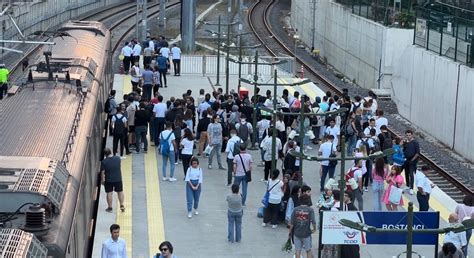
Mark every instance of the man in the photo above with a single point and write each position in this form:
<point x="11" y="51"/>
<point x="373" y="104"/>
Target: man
<point x="371" y="126"/>
<point x="131" y="110"/>
<point x="111" y="178"/>
<point x="352" y="251"/>
<point x="231" y="150"/>
<point x="115" y="246"/>
<point x="165" y="52"/>
<point x="167" y="149"/>
<point x="457" y="239"/>
<point x="127" y="57"/>
<point x="325" y="150"/>
<point x="162" y="63"/>
<point x="176" y="56"/>
<point x="111" y="109"/>
<point x="120" y="132"/>
<point x="203" y="106"/>
<point x="148" y="54"/>
<point x="380" y="120"/>
<point x="424" y="186"/>
<point x="244" y="129"/>
<point x="242" y="162"/>
<point x="300" y="226"/>
<point x="333" y="130"/>
<point x="147" y="83"/>
<point x="142" y="117"/>
<point x="159" y="111"/>
<point x="4" y="73"/>
<point x="135" y="76"/>
<point x="411" y="150"/>
<point x="137" y="50"/>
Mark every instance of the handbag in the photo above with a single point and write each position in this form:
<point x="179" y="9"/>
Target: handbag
<point x="395" y="195"/>
<point x="266" y="196"/>
<point x="208" y="150"/>
<point x="248" y="175"/>
<point x="332" y="163"/>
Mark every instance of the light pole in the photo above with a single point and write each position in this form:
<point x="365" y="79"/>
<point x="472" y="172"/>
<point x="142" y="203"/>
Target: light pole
<point x="239" y="61"/>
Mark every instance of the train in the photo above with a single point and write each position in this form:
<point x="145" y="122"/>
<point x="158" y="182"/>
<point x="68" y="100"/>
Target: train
<point x="52" y="137"/>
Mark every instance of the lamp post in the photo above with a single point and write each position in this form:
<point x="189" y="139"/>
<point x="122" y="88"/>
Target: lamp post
<point x="296" y="38"/>
<point x="218" y="33"/>
<point x="275" y="112"/>
<point x="456" y="228"/>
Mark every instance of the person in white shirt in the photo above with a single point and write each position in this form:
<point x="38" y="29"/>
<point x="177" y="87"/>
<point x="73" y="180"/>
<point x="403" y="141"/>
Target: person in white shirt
<point x="203" y="106"/>
<point x="127" y="57"/>
<point x="136" y="74"/>
<point x="229" y="150"/>
<point x="325" y="150"/>
<point x="176" y="56"/>
<point x="165" y="52"/>
<point x="266" y="146"/>
<point x="193" y="186"/>
<point x="137" y="50"/>
<point x="357" y="189"/>
<point x="333" y="130"/>
<point x="170" y="137"/>
<point x="380" y="120"/>
<point x="115" y="246"/>
<point x="275" y="189"/>
<point x="159" y="111"/>
<point x="457" y="239"/>
<point x="187" y="147"/>
<point x="424" y="186"/>
<point x="371" y="126"/>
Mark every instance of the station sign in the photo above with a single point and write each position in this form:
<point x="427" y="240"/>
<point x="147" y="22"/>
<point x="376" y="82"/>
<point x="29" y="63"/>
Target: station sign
<point x="335" y="233"/>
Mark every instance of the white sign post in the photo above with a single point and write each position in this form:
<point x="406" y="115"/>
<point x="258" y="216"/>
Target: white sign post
<point x="335" y="233"/>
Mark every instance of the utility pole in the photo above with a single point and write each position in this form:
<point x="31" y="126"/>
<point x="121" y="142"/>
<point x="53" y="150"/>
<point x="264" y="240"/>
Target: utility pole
<point x="162" y="17"/>
<point x="144" y="21"/>
<point x="188" y="29"/>
<point x="313" y="25"/>
<point x="137" y="27"/>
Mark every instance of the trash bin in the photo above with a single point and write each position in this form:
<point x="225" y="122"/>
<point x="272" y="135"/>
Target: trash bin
<point x="243" y="93"/>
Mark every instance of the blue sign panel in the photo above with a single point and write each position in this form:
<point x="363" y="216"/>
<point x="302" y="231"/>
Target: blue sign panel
<point x="398" y="220"/>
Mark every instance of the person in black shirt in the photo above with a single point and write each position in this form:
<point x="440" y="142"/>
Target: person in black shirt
<point x="411" y="149"/>
<point x="202" y="130"/>
<point x="142" y="117"/>
<point x="111" y="178"/>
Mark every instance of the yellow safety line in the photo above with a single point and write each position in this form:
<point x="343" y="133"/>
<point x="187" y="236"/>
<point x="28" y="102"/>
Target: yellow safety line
<point x="124" y="219"/>
<point x="127" y="84"/>
<point x="156" y="228"/>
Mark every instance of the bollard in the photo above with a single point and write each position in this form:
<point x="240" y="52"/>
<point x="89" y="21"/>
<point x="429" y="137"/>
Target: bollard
<point x="121" y="69"/>
<point x="302" y="72"/>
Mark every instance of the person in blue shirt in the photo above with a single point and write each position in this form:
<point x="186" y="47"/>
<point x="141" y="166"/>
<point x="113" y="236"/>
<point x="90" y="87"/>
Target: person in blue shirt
<point x="166" y="251"/>
<point x="162" y="64"/>
<point x="398" y="157"/>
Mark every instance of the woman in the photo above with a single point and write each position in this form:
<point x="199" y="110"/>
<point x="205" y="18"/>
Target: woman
<point x="326" y="200"/>
<point x="202" y="131"/>
<point x="275" y="187"/>
<point x="398" y="157"/>
<point x="179" y="125"/>
<point x="351" y="139"/>
<point x="215" y="140"/>
<point x="380" y="171"/>
<point x="393" y="179"/>
<point x="466" y="211"/>
<point x="292" y="202"/>
<point x="166" y="249"/>
<point x="187" y="144"/>
<point x="361" y="152"/>
<point x="234" y="215"/>
<point x="286" y="196"/>
<point x="193" y="186"/>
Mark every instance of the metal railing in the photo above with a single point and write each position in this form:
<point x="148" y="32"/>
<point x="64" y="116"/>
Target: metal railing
<point x="387" y="12"/>
<point x="207" y="65"/>
<point x="445" y="34"/>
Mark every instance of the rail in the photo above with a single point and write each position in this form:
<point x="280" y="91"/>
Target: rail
<point x="443" y="173"/>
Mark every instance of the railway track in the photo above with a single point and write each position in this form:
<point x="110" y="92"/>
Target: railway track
<point x="261" y="27"/>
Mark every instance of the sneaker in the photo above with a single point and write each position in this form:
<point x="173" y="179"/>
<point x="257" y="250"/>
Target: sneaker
<point x="172" y="179"/>
<point x="122" y="157"/>
<point x="209" y="167"/>
<point x="176" y="163"/>
<point x="264" y="224"/>
<point x="190" y="215"/>
<point x="244" y="206"/>
<point x="165" y="179"/>
<point x="180" y="162"/>
<point x="274" y="226"/>
<point x="411" y="191"/>
<point x="366" y="189"/>
<point x="196" y="212"/>
<point x="309" y="147"/>
<point x="108" y="210"/>
<point x="222" y="168"/>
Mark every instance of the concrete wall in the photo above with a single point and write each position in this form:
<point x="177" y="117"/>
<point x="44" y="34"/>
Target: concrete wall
<point x="352" y="44"/>
<point x="41" y="15"/>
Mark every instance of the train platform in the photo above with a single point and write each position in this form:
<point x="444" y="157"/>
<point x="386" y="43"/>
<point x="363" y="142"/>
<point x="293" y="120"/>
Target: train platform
<point x="156" y="210"/>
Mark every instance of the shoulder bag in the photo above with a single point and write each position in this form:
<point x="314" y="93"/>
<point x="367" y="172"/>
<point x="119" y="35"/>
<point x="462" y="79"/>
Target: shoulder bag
<point x="266" y="196"/>
<point x="332" y="163"/>
<point x="248" y="174"/>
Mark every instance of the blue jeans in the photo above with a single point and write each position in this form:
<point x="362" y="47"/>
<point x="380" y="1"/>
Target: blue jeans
<point x="216" y="150"/>
<point x="147" y="90"/>
<point x="326" y="170"/>
<point x="140" y="134"/>
<point x="468" y="237"/>
<point x="243" y="180"/>
<point x="165" y="161"/>
<point x="378" y="188"/>
<point x="351" y="142"/>
<point x="192" y="195"/>
<point x="234" y="220"/>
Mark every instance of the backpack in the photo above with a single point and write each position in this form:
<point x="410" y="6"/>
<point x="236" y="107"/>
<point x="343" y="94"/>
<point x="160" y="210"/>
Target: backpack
<point x="236" y="149"/>
<point x="177" y="132"/>
<point x="165" y="144"/>
<point x="376" y="146"/>
<point x="107" y="108"/>
<point x="348" y="129"/>
<point x="289" y="161"/>
<point x="351" y="184"/>
<point x="387" y="141"/>
<point x="355" y="107"/>
<point x="119" y="125"/>
<point x="243" y="131"/>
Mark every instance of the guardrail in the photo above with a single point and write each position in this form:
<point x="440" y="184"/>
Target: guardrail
<point x="207" y="65"/>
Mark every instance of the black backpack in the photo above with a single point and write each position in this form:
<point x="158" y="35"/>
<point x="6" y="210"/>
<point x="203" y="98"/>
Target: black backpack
<point x="119" y="126"/>
<point x="243" y="131"/>
<point x="387" y="141"/>
<point x="236" y="149"/>
<point x="107" y="105"/>
<point x="289" y="161"/>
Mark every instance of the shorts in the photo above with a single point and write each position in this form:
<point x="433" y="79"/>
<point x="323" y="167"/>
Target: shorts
<point x="303" y="243"/>
<point x="131" y="129"/>
<point x="113" y="187"/>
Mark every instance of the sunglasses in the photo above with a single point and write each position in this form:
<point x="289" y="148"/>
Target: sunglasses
<point x="164" y="249"/>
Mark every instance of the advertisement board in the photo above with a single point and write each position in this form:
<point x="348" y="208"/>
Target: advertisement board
<point x="335" y="233"/>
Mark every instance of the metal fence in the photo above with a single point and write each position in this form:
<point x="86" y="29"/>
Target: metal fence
<point x="207" y="65"/>
<point x="394" y="13"/>
<point x="445" y="34"/>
